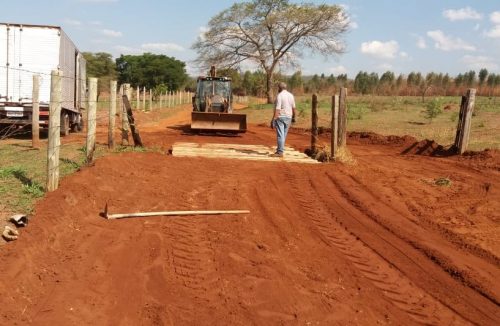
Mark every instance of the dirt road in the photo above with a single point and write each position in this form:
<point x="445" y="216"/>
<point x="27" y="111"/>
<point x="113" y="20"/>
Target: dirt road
<point x="377" y="242"/>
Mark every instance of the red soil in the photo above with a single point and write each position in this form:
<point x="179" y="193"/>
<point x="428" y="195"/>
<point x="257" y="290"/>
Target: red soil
<point x="373" y="243"/>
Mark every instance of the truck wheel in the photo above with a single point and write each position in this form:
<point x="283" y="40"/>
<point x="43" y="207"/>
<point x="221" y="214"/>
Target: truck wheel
<point x="76" y="125"/>
<point x="64" y="124"/>
<point x="79" y="125"/>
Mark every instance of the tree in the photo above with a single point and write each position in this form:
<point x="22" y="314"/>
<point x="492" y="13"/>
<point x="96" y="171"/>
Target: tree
<point x="150" y="70"/>
<point x="101" y="65"/>
<point x="361" y="83"/>
<point x="365" y="83"/>
<point x="270" y="33"/>
<point x="491" y="82"/>
<point x="399" y="83"/>
<point x="427" y="83"/>
<point x="342" y="80"/>
<point x="470" y="78"/>
<point x="295" y="81"/>
<point x="446" y="83"/>
<point x="387" y="81"/>
<point x="483" y="73"/>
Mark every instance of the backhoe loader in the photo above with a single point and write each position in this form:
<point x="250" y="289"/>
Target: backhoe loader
<point x="212" y="106"/>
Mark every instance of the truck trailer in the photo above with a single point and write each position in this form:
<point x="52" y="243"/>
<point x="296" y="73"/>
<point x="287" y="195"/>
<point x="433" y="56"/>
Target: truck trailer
<point x="26" y="50"/>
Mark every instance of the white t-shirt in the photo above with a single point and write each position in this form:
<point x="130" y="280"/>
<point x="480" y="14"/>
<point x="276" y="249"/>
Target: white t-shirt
<point x="285" y="102"/>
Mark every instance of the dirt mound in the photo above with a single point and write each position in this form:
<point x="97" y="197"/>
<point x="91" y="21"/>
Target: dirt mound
<point x="428" y="147"/>
<point x="376" y="139"/>
<point x="487" y="154"/>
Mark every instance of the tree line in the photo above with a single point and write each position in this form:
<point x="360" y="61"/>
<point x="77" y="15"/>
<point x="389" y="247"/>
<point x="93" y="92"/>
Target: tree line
<point x="153" y="71"/>
<point x="163" y="73"/>
<point x="417" y="84"/>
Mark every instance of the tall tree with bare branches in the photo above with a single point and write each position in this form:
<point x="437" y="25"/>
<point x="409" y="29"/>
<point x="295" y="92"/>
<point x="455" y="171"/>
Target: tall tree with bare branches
<point x="270" y="33"/>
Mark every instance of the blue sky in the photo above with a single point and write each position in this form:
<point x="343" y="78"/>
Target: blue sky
<point x="401" y="36"/>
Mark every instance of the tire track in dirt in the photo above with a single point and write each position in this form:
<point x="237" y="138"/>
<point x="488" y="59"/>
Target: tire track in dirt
<point x="193" y="259"/>
<point x="418" y="217"/>
<point x="422" y="307"/>
<point x="471" y="223"/>
<point x="405" y="254"/>
<point x="440" y="252"/>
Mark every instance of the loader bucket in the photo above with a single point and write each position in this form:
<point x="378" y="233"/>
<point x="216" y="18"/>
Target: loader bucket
<point x="232" y="122"/>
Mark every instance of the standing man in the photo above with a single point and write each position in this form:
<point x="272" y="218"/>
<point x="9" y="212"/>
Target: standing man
<point x="284" y="115"/>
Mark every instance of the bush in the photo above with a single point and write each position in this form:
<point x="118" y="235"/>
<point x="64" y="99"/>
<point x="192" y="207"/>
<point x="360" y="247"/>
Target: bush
<point x="432" y="110"/>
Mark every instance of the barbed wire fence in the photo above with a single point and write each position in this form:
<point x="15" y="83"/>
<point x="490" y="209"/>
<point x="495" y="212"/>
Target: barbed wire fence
<point x="333" y="122"/>
<point x="102" y="111"/>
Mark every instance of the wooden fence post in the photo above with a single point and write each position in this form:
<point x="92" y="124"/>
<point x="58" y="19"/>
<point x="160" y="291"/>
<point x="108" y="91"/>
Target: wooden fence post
<point x="128" y="92"/>
<point x="54" y="130"/>
<point x="150" y="100"/>
<point x="91" y="119"/>
<point x="464" y="121"/>
<point x="138" y="99"/>
<point x="125" y="91"/>
<point x="112" y="114"/>
<point x="130" y="116"/>
<point x="35" y="112"/>
<point x="342" y="135"/>
<point x="314" y="123"/>
<point x="144" y="98"/>
<point x="335" y="126"/>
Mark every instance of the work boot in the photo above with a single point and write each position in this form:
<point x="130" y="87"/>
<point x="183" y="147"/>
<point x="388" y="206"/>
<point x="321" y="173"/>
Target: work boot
<point x="276" y="155"/>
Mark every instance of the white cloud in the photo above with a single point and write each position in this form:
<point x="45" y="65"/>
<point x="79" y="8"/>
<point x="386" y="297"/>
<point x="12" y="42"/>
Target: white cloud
<point x="495" y="17"/>
<point x="386" y="50"/>
<point x="72" y="22"/>
<point x="494" y="32"/>
<point x="161" y="47"/>
<point x="448" y="43"/>
<point x="462" y="14"/>
<point x="95" y="23"/>
<point x="338" y="70"/>
<point x="479" y="62"/>
<point x="111" y="33"/>
<point x="421" y="43"/>
<point x="148" y="47"/>
<point x="403" y="54"/>
<point x="353" y="25"/>
<point x="476" y="27"/>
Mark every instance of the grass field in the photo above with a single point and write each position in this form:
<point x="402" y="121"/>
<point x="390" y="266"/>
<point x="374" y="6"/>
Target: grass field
<point x="400" y="116"/>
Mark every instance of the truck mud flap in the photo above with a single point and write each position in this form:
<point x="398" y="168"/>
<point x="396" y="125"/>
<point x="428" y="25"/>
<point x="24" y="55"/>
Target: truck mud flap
<point x="232" y="122"/>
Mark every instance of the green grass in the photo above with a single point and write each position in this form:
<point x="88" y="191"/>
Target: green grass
<point x="400" y="116"/>
<point x="23" y="170"/>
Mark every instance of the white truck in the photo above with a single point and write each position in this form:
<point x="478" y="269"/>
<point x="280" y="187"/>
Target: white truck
<point x="26" y="50"/>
